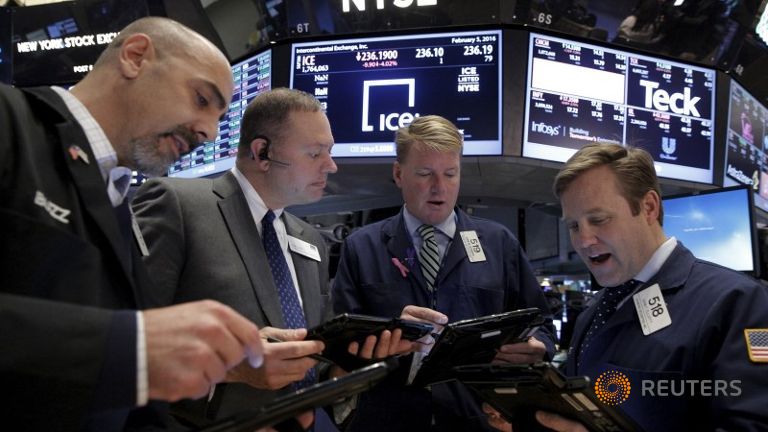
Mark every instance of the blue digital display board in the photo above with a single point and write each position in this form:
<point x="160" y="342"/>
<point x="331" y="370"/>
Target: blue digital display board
<point x="372" y="86"/>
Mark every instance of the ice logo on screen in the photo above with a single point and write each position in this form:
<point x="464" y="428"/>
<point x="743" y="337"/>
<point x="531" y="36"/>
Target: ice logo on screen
<point x="391" y="121"/>
<point x="661" y="100"/>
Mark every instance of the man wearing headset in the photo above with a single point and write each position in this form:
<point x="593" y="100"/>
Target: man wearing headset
<point x="204" y="238"/>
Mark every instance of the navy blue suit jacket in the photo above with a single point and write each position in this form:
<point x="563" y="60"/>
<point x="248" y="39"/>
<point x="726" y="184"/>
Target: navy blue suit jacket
<point x="368" y="282"/>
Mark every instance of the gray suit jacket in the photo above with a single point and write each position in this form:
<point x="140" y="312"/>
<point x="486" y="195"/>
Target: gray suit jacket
<point x="203" y="244"/>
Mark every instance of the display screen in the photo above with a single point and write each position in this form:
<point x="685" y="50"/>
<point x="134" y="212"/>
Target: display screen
<point x="371" y="87"/>
<point x="252" y="77"/>
<point x="579" y="93"/>
<point x="761" y="28"/>
<point x="746" y="161"/>
<point x="6" y="67"/>
<point x="58" y="43"/>
<point x="716" y="226"/>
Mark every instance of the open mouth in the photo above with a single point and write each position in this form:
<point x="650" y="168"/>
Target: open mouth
<point x="599" y="259"/>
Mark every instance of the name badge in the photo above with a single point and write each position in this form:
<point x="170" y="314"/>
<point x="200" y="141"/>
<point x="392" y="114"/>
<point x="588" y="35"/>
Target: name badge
<point x="651" y="309"/>
<point x="472" y="246"/>
<point x="303" y="248"/>
<point x="137" y="235"/>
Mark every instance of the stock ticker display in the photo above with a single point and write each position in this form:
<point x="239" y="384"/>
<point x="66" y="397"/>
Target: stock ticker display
<point x="580" y="93"/>
<point x="372" y="86"/>
<point x="252" y="77"/>
<point x="746" y="158"/>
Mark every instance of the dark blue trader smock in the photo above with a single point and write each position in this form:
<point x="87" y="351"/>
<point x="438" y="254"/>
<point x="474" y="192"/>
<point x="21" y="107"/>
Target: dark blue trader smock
<point x="368" y="282"/>
<point x="710" y="306"/>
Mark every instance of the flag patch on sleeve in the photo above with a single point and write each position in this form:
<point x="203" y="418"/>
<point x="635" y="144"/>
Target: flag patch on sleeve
<point x="757" y="344"/>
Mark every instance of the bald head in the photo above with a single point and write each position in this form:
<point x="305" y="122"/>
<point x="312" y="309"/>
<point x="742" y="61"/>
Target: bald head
<point x="169" y="38"/>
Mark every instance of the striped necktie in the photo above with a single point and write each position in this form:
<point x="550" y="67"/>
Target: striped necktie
<point x="429" y="256"/>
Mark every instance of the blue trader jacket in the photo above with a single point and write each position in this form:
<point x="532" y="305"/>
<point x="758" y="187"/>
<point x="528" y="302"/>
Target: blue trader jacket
<point x="694" y="374"/>
<point x="369" y="282"/>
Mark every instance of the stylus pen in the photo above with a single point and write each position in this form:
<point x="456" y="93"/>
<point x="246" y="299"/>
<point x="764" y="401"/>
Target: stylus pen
<point x="317" y="357"/>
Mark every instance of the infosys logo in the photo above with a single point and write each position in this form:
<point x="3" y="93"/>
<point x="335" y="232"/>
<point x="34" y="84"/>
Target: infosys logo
<point x="544" y="128"/>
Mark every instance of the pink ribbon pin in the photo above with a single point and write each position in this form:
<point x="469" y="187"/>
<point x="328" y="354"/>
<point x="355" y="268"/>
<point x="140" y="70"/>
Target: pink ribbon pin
<point x="403" y="269"/>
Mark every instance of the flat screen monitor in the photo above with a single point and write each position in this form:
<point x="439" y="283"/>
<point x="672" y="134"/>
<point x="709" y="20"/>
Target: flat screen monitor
<point x="6" y="47"/>
<point x="761" y="26"/>
<point x="252" y="77"/>
<point x="372" y="86"/>
<point x="58" y="43"/>
<point x="746" y="161"/>
<point x="716" y="226"/>
<point x="579" y="93"/>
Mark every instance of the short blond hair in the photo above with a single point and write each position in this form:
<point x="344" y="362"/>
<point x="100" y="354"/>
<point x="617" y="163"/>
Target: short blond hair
<point x="432" y="132"/>
<point x="633" y="167"/>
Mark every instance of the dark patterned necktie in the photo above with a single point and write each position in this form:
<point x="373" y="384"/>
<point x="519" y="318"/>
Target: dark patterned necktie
<point x="293" y="315"/>
<point x="610" y="299"/>
<point x="429" y="256"/>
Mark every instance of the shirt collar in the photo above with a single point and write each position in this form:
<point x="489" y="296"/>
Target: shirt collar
<point x="657" y="260"/>
<point x="105" y="153"/>
<point x="446" y="227"/>
<point x="118" y="178"/>
<point x="255" y="202"/>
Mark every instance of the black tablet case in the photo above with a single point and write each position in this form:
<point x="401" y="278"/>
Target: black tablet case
<point x="518" y="391"/>
<point x="338" y="332"/>
<point x="308" y="398"/>
<point x="475" y="341"/>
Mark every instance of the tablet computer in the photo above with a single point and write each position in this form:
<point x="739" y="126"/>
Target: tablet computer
<point x="475" y="341"/>
<point x="338" y="332"/>
<point x="518" y="391"/>
<point x="303" y="400"/>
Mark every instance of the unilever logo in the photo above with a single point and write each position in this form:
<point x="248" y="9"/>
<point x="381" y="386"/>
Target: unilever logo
<point x="612" y="388"/>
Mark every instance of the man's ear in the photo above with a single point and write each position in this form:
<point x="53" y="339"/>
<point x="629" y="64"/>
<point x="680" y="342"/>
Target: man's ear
<point x="397" y="173"/>
<point x="258" y="148"/>
<point x="135" y="51"/>
<point x="650" y="206"/>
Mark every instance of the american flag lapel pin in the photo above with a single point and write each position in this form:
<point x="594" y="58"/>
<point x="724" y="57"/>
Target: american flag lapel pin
<point x="75" y="152"/>
<point x="757" y="344"/>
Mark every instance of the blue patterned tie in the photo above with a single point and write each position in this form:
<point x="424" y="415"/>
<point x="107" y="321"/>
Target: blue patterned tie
<point x="289" y="299"/>
<point x="611" y="298"/>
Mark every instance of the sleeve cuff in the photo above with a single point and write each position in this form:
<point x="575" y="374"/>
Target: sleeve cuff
<point x="142" y="375"/>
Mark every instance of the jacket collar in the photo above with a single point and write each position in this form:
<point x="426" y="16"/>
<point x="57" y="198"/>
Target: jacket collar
<point x="242" y="228"/>
<point x="86" y="176"/>
<point x="671" y="277"/>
